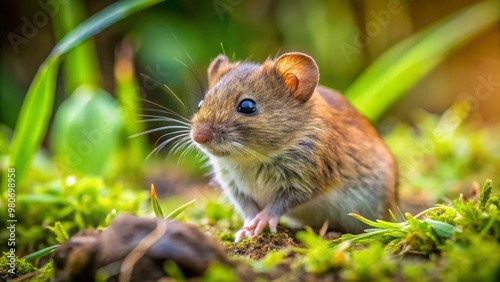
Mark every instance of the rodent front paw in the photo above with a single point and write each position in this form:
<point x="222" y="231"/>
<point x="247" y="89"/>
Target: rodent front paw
<point x="257" y="225"/>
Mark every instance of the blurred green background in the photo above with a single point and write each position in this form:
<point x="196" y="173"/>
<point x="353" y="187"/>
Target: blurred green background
<point x="256" y="30"/>
<point x="426" y="72"/>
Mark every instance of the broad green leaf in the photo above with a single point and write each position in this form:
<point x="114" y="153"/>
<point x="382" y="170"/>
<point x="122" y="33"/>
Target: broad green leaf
<point x="36" y="110"/>
<point x="86" y="131"/>
<point x="401" y="67"/>
<point x="442" y="229"/>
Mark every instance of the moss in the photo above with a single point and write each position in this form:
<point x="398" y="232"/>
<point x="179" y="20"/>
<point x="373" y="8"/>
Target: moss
<point x="370" y="264"/>
<point x="47" y="273"/>
<point x="21" y="266"/>
<point x="479" y="260"/>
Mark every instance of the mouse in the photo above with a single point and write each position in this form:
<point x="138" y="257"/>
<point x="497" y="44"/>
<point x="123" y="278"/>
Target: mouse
<point x="284" y="149"/>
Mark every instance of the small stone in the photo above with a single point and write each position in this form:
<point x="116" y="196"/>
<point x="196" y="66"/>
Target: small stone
<point x="135" y="249"/>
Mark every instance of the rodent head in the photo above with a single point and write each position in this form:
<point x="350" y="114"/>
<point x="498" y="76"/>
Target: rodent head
<point x="254" y="110"/>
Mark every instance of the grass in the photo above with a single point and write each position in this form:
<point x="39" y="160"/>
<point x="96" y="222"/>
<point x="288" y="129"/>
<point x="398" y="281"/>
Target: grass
<point x="393" y="81"/>
<point x="402" y="66"/>
<point x="454" y="240"/>
<point x="457" y="238"/>
<point x="34" y="117"/>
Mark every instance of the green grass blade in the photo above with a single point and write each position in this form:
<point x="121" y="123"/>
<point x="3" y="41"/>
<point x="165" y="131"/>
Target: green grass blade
<point x="80" y="65"/>
<point x="401" y="67"/>
<point x="373" y="233"/>
<point x="126" y="91"/>
<point x="179" y="210"/>
<point x="155" y="203"/>
<point x="364" y="220"/>
<point x="393" y="216"/>
<point x="33" y="118"/>
<point x="390" y="225"/>
<point x="381" y="224"/>
<point x="40" y="253"/>
<point x="43" y="199"/>
<point x="37" y="108"/>
<point x="100" y="21"/>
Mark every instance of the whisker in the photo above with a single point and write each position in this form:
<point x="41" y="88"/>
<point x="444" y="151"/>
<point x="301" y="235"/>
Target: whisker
<point x="158" y="148"/>
<point x="152" y="152"/>
<point x="179" y="132"/>
<point x="179" y="144"/>
<point x="170" y="91"/>
<point x="200" y="155"/>
<point x="164" y="108"/>
<point x="168" y="113"/>
<point x="159" y="129"/>
<point x="202" y="89"/>
<point x="160" y="118"/>
<point x="196" y="76"/>
<point x="205" y="165"/>
<point x="186" y="150"/>
<point x="163" y="144"/>
<point x="183" y="135"/>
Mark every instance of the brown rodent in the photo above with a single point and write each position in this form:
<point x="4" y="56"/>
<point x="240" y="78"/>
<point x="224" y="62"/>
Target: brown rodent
<point x="282" y="146"/>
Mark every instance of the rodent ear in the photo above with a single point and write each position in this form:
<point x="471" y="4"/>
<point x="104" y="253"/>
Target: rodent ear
<point x="218" y="68"/>
<point x="300" y="74"/>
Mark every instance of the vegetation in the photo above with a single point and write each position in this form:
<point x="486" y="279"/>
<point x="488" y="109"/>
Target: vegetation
<point x="76" y="167"/>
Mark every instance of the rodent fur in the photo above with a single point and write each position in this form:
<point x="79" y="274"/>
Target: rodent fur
<point x="306" y="155"/>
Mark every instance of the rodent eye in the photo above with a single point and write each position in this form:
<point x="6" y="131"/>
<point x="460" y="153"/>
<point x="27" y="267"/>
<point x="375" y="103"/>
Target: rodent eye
<point x="199" y="104"/>
<point x="247" y="106"/>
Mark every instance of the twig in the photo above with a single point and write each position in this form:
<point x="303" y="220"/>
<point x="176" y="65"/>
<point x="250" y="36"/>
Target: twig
<point x="141" y="248"/>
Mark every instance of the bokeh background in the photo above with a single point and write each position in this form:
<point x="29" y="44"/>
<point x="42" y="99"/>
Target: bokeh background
<point x="173" y="43"/>
<point x="256" y="30"/>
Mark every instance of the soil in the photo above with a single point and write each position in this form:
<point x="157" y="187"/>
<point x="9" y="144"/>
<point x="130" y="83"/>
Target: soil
<point x="258" y="246"/>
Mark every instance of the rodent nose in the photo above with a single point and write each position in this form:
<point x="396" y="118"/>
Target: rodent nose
<point x="201" y="133"/>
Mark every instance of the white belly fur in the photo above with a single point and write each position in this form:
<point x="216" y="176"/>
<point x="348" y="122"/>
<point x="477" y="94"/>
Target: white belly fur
<point x="332" y="206"/>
